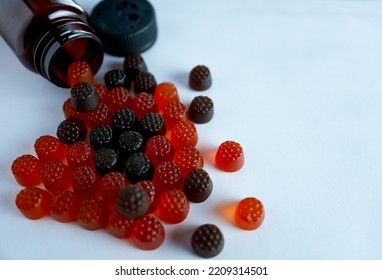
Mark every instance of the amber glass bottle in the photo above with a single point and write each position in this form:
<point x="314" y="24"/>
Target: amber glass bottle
<point x="48" y="35"/>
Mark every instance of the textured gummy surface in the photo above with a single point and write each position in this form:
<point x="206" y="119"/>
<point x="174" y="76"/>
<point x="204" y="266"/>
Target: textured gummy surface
<point x="207" y="241"/>
<point x="101" y="137"/>
<point x="26" y="169"/>
<point x="101" y="115"/>
<point x="116" y="78"/>
<point x="110" y="185"/>
<point x="79" y="71"/>
<point x="71" y="130"/>
<point x="132" y="201"/>
<point x="64" y="206"/>
<point x="153" y="193"/>
<point x="144" y="103"/>
<point x="152" y="124"/>
<point x="119" y="225"/>
<point x="84" y="181"/>
<point x="49" y="148"/>
<point x="165" y="92"/>
<point x="159" y="149"/>
<point x="188" y="158"/>
<point x="144" y="82"/>
<point x="167" y="175"/>
<point x="124" y="120"/>
<point x="84" y="97"/>
<point x="200" y="78"/>
<point x="133" y="64"/>
<point x="138" y="168"/>
<point x="79" y="153"/>
<point x="173" y="206"/>
<point x="92" y="213"/>
<point x="198" y="185"/>
<point x="33" y="203"/>
<point x="184" y="133"/>
<point x="249" y="213"/>
<point x="106" y="161"/>
<point x="229" y="156"/>
<point x="55" y="176"/>
<point x="201" y="109"/>
<point x="173" y="112"/>
<point x="118" y="98"/>
<point x="130" y="142"/>
<point x="148" y="233"/>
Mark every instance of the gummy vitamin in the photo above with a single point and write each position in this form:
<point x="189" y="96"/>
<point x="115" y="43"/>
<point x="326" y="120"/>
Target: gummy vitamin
<point x="26" y="169"/>
<point x="34" y="203"/>
<point x="173" y="206"/>
<point x="207" y="241"/>
<point x="229" y="156"/>
<point x="147" y="233"/>
<point x="249" y="214"/>
<point x="200" y="78"/>
<point x="132" y="201"/>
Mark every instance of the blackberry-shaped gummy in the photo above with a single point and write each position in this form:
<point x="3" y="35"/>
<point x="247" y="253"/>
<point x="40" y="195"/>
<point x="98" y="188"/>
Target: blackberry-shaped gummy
<point x="71" y="130"/>
<point x="92" y="213"/>
<point x="201" y="109"/>
<point x="165" y="92"/>
<point x="106" y="161"/>
<point x="110" y="185"/>
<point x="101" y="137"/>
<point x="207" y="241"/>
<point x="138" y="168"/>
<point x="144" y="103"/>
<point x="130" y="142"/>
<point x="116" y="78"/>
<point x="33" y="203"/>
<point x="79" y="71"/>
<point x="144" y="82"/>
<point x="79" y="153"/>
<point x="26" y="169"/>
<point x="132" y="201"/>
<point x="200" y="78"/>
<point x="167" y="175"/>
<point x="85" y="182"/>
<point x="153" y="194"/>
<point x="173" y="112"/>
<point x="152" y="124"/>
<point x="49" y="148"/>
<point x="133" y="64"/>
<point x="197" y="185"/>
<point x="147" y="233"/>
<point x="159" y="149"/>
<point x="64" y="206"/>
<point x="84" y="97"/>
<point x="173" y="206"/>
<point x="55" y="176"/>
<point x="119" y="225"/>
<point x="229" y="156"/>
<point x="249" y="214"/>
<point x="184" y="134"/>
<point x="124" y="120"/>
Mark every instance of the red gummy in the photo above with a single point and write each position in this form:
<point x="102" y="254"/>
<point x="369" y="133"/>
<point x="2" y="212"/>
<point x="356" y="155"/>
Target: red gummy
<point x="79" y="153"/>
<point x="229" y="156"/>
<point x="249" y="214"/>
<point x="119" y="226"/>
<point x="78" y="72"/>
<point x="110" y="185"/>
<point x="101" y="115"/>
<point x="173" y="112"/>
<point x="153" y="193"/>
<point x="167" y="175"/>
<point x="188" y="158"/>
<point x="118" y="98"/>
<point x="101" y="90"/>
<point x="70" y="111"/>
<point x="165" y="92"/>
<point x="55" y="176"/>
<point x="144" y="103"/>
<point x="147" y="233"/>
<point x="173" y="206"/>
<point x="34" y="203"/>
<point x="64" y="206"/>
<point x="50" y="148"/>
<point x="93" y="213"/>
<point x="85" y="181"/>
<point x="184" y="134"/>
<point x="26" y="170"/>
<point x="159" y="149"/>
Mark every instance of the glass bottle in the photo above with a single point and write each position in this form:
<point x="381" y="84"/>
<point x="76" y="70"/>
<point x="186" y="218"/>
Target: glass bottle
<point x="48" y="35"/>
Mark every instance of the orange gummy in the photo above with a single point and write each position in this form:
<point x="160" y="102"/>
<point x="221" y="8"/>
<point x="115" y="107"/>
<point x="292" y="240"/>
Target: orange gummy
<point x="249" y="214"/>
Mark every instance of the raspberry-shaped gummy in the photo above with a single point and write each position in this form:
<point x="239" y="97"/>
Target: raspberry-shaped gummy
<point x="101" y="90"/>
<point x="159" y="149"/>
<point x="249" y="213"/>
<point x="201" y="109"/>
<point x="116" y="78"/>
<point x="207" y="241"/>
<point x="144" y="82"/>
<point x="50" y="148"/>
<point x="79" y="71"/>
<point x="99" y="116"/>
<point x="173" y="112"/>
<point x="84" y="97"/>
<point x="197" y="185"/>
<point x="153" y="194"/>
<point x="184" y="134"/>
<point x="101" y="137"/>
<point x="132" y="201"/>
<point x="85" y="181"/>
<point x="188" y="158"/>
<point x="119" y="225"/>
<point x="26" y="170"/>
<point x="33" y="203"/>
<point x="152" y="124"/>
<point x="147" y="233"/>
<point x="138" y="168"/>
<point x="64" y="206"/>
<point x="144" y="103"/>
<point x="200" y="78"/>
<point x="229" y="156"/>
<point x="110" y="185"/>
<point x="79" y="153"/>
<point x="118" y="98"/>
<point x="165" y="92"/>
<point x="173" y="206"/>
<point x="92" y="213"/>
<point x="71" y="130"/>
<point x="167" y="175"/>
<point x="55" y="176"/>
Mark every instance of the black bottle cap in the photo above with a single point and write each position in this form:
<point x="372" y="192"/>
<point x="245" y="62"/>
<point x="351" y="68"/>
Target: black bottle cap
<point x="125" y="26"/>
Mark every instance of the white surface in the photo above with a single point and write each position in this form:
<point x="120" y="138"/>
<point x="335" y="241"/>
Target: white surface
<point x="297" y="83"/>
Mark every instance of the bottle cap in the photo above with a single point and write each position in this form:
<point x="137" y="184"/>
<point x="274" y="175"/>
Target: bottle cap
<point x="125" y="26"/>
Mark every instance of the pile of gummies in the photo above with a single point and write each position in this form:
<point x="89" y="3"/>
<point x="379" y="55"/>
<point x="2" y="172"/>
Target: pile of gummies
<point x="125" y="159"/>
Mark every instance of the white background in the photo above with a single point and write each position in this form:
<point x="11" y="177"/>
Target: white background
<point x="297" y="83"/>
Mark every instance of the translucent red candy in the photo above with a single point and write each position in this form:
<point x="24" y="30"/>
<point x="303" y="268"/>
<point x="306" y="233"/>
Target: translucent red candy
<point x="188" y="158"/>
<point x="153" y="194"/>
<point x="78" y="72"/>
<point x="64" y="206"/>
<point x="55" y="176"/>
<point x="184" y="134"/>
<point x="70" y="111"/>
<point x="110" y="185"/>
<point x="249" y="213"/>
<point x="229" y="156"/>
<point x="144" y="103"/>
<point x="85" y="181"/>
<point x="33" y="203"/>
<point x="173" y="206"/>
<point x="118" y="98"/>
<point x="165" y="92"/>
<point x="173" y="112"/>
<point x="101" y="90"/>
<point x="101" y="115"/>
<point x="26" y="170"/>
<point x="159" y="149"/>
<point x="167" y="175"/>
<point x="119" y="226"/>
<point x="50" y="148"/>
<point x="93" y="213"/>
<point x="79" y="153"/>
<point x="147" y="233"/>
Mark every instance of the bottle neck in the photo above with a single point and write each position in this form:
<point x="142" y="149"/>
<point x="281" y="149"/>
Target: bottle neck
<point x="65" y="42"/>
